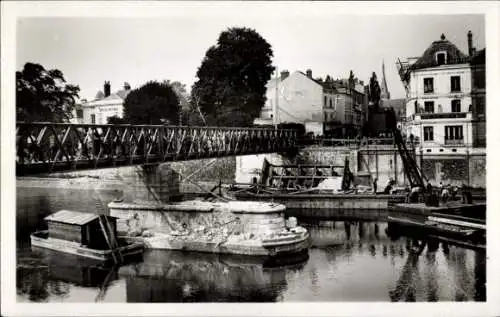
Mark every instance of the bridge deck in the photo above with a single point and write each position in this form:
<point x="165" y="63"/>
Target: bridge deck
<point x="56" y="147"/>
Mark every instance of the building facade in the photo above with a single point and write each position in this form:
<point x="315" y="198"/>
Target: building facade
<point x="296" y="98"/>
<point x="349" y="102"/>
<point x="320" y="105"/>
<point x="105" y="105"/>
<point x="478" y="96"/>
<point x="439" y="106"/>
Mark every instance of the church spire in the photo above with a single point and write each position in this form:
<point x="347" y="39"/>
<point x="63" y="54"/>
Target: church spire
<point x="384" y="91"/>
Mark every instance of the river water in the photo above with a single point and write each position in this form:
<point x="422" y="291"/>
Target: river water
<point x="348" y="261"/>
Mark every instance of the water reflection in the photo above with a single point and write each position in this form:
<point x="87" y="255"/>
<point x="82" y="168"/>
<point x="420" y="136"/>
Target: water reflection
<point x="349" y="261"/>
<point x="465" y="283"/>
<point x="174" y="276"/>
<point x="480" y="276"/>
<point x="47" y="274"/>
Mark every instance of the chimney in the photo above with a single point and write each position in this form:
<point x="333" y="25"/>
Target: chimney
<point x="469" y="42"/>
<point x="284" y="74"/>
<point x="107" y="89"/>
<point x="309" y="73"/>
<point x="126" y="86"/>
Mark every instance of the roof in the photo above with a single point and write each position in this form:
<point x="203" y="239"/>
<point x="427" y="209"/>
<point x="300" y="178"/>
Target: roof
<point x="428" y="59"/>
<point x="72" y="217"/>
<point x="272" y="82"/>
<point x="123" y="93"/>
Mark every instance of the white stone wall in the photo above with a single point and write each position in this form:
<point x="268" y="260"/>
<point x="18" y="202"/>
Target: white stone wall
<point x="250" y="166"/>
<point x="299" y="98"/>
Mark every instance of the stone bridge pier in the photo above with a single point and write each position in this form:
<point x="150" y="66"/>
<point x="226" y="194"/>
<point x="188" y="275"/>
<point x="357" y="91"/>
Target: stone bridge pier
<point x="152" y="183"/>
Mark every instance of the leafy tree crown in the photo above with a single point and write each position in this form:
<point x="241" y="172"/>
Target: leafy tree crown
<point x="231" y="85"/>
<point x="153" y="103"/>
<point x="44" y="95"/>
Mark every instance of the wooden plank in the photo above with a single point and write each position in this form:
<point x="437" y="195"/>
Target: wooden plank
<point x="457" y="223"/>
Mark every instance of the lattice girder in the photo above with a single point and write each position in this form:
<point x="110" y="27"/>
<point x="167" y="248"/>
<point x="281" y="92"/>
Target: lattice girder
<point x="51" y="147"/>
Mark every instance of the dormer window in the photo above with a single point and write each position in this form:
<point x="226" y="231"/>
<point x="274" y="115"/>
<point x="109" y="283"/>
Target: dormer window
<point x="441" y="58"/>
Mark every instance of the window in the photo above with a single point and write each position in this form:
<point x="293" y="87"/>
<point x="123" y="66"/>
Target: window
<point x="428" y="85"/>
<point x="429" y="106"/>
<point x="441" y="58"/>
<point x="326" y="116"/>
<point x="455" y="105"/>
<point x="324" y="101"/>
<point x="453" y="132"/>
<point x="455" y="83"/>
<point x="428" y="133"/>
<point x="92" y="118"/>
<point x="331" y="103"/>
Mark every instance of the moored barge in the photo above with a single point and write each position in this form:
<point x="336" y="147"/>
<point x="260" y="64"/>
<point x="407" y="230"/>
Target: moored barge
<point x="462" y="224"/>
<point x="314" y="187"/>
<point x="86" y="235"/>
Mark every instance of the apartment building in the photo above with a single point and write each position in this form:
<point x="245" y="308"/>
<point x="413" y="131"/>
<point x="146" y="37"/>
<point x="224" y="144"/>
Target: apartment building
<point x="321" y="105"/>
<point x="439" y="98"/>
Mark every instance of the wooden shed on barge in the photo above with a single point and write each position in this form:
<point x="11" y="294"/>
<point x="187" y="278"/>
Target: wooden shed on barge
<point x="83" y="228"/>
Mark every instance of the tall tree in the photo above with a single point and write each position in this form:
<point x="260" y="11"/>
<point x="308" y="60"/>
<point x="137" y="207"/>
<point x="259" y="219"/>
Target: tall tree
<point x="186" y="112"/>
<point x="374" y="91"/>
<point x="153" y="103"/>
<point x="231" y="85"/>
<point x="43" y="95"/>
<point x="181" y="92"/>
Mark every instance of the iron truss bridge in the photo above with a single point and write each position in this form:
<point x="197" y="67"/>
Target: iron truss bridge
<point x="58" y="147"/>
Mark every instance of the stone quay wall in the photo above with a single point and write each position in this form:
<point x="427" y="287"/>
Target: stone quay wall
<point x="382" y="162"/>
<point x="163" y="182"/>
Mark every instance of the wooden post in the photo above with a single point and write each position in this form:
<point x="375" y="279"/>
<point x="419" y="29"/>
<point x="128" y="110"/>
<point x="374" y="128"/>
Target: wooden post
<point x="395" y="166"/>
<point x="421" y="159"/>
<point x="468" y="166"/>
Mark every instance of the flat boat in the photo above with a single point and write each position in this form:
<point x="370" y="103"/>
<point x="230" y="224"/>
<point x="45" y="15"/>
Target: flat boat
<point x="306" y="187"/>
<point x="463" y="224"/>
<point x="86" y="235"/>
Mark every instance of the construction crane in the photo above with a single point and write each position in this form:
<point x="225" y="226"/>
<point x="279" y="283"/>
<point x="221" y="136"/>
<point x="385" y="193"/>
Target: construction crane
<point x="411" y="169"/>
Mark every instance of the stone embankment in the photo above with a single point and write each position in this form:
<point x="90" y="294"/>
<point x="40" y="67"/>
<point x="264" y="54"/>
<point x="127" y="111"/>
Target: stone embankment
<point x="84" y="182"/>
<point x="207" y="173"/>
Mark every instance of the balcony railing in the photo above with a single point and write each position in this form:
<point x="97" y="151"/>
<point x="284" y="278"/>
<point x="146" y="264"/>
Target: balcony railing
<point x="454" y="142"/>
<point x="444" y="115"/>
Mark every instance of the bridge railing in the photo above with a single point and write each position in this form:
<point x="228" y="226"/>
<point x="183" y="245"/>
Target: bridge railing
<point x="349" y="142"/>
<point x="49" y="147"/>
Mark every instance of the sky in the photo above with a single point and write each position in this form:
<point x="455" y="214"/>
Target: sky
<point x="91" y="50"/>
